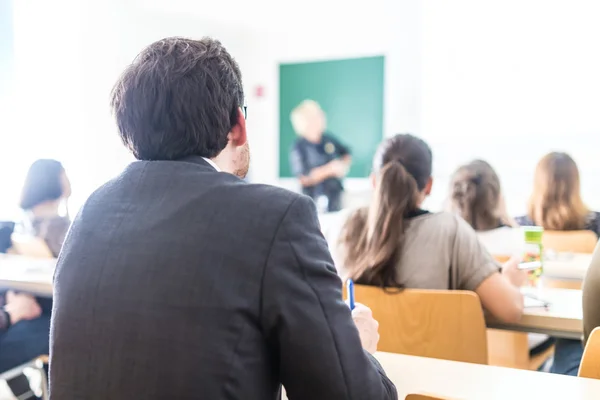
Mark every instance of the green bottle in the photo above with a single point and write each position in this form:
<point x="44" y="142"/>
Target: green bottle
<point x="533" y="252"/>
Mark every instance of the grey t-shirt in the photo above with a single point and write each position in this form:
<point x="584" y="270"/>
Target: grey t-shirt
<point x="441" y="251"/>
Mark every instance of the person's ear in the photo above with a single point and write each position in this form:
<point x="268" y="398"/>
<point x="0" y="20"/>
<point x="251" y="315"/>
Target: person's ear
<point x="428" y="186"/>
<point x="237" y="136"/>
<point x="373" y="179"/>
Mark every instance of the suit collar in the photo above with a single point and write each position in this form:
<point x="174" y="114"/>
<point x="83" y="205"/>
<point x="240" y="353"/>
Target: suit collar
<point x="212" y="164"/>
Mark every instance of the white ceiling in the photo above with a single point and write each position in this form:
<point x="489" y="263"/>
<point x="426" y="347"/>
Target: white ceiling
<point x="275" y="15"/>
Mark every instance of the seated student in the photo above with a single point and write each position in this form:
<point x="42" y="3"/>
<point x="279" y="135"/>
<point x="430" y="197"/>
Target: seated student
<point x="556" y="204"/>
<point x="25" y="326"/>
<point x="317" y="158"/>
<point x="24" y="335"/>
<point x="46" y="188"/>
<point x="390" y="243"/>
<point x="476" y="196"/>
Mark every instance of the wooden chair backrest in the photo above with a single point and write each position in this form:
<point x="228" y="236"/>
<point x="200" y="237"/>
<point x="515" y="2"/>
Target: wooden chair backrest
<point x="590" y="362"/>
<point x="428" y="323"/>
<point x="501" y="258"/>
<point x="30" y="246"/>
<point x="557" y="283"/>
<point x="570" y="241"/>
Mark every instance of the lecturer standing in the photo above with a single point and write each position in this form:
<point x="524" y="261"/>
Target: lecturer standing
<point x="178" y="280"/>
<point x="318" y="159"/>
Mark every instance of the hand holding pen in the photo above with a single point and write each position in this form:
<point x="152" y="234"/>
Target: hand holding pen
<point x="363" y="319"/>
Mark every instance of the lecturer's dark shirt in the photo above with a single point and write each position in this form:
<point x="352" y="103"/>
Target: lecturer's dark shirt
<point x="177" y="281"/>
<point x="306" y="155"/>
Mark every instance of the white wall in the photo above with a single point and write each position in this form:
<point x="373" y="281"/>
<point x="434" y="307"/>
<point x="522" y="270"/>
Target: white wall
<point x="68" y="56"/>
<point x="509" y="81"/>
<point x="505" y="81"/>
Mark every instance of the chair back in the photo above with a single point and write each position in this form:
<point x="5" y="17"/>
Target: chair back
<point x="429" y="323"/>
<point x="570" y="241"/>
<point x="501" y="258"/>
<point x="30" y="246"/>
<point x="590" y="362"/>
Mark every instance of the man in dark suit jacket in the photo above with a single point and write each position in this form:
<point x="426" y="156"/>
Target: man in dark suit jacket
<point x="178" y="280"/>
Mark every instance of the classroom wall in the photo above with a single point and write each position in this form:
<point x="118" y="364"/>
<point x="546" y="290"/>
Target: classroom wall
<point x="504" y="81"/>
<point x="391" y="29"/>
<point x="488" y="86"/>
<point x="68" y="56"/>
<point x="508" y="82"/>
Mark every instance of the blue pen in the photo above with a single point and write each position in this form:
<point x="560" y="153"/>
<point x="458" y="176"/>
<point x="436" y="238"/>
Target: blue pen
<point x="350" y="289"/>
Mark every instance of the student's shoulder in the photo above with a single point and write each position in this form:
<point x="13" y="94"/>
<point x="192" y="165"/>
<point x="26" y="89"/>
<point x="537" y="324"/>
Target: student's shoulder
<point x="441" y="224"/>
<point x="524" y="220"/>
<point x="59" y="223"/>
<point x="442" y="218"/>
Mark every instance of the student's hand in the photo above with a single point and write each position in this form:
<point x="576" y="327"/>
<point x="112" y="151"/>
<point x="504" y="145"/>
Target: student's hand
<point x="511" y="271"/>
<point x="368" y="328"/>
<point x="21" y="306"/>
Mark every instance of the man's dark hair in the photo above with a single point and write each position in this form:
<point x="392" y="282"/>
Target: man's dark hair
<point x="179" y="97"/>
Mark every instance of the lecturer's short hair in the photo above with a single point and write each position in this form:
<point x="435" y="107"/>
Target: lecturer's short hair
<point x="179" y="97"/>
<point x="299" y="114"/>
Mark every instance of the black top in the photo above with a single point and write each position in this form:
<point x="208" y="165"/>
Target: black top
<point x="306" y="156"/>
<point x="592" y="222"/>
<point x="416" y="213"/>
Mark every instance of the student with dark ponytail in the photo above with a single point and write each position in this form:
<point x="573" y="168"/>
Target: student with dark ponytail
<point x="395" y="243"/>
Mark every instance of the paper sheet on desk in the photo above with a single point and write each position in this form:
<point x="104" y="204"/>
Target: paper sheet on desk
<point x="531" y="302"/>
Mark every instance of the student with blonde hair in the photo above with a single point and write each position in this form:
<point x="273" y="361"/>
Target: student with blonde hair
<point x="556" y="204"/>
<point x="318" y="159"/>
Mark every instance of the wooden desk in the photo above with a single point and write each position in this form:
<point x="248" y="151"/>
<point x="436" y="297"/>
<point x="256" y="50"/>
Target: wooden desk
<point x="563" y="318"/>
<point x="26" y="274"/>
<point x="462" y="381"/>
<point x="568" y="266"/>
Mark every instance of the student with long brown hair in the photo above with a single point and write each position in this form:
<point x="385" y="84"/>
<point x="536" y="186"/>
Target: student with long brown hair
<point x="395" y="243"/>
<point x="555" y="202"/>
<point x="476" y="195"/>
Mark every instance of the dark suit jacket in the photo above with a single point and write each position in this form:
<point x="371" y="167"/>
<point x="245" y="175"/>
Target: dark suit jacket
<point x="180" y="282"/>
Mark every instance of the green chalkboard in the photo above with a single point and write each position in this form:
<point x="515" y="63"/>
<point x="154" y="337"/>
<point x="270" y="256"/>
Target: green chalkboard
<point x="350" y="91"/>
